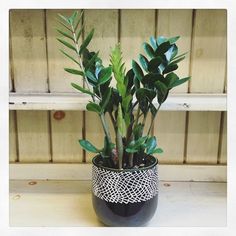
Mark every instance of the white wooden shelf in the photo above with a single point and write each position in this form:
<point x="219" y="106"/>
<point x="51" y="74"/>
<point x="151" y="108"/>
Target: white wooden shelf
<point x="73" y="101"/>
<point x="68" y="203"/>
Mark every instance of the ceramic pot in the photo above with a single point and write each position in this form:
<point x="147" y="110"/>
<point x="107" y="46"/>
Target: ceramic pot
<point x="124" y="197"/>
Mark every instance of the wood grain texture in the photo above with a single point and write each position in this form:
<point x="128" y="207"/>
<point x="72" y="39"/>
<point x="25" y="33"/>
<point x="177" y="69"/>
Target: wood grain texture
<point x="209" y="51"/>
<point x="105" y="23"/>
<point x="208" y="75"/>
<point x="33" y="134"/>
<point x="29" y="50"/>
<point x="65" y="135"/>
<point x="30" y="75"/>
<point x="203" y="137"/>
<point x="171" y="23"/>
<point x="105" y="37"/>
<point x="136" y="27"/>
<point x="65" y="132"/>
<point x="223" y="151"/>
<point x="59" y="79"/>
<point x="12" y="137"/>
<point x="169" y="127"/>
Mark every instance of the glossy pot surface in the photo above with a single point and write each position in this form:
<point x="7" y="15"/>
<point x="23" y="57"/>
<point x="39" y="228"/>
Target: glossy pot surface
<point x="125" y="198"/>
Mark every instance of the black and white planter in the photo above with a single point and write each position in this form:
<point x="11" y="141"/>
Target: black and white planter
<point x="125" y="197"/>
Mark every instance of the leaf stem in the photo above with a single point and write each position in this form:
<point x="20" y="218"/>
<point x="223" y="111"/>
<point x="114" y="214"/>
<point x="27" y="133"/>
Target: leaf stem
<point x="153" y="118"/>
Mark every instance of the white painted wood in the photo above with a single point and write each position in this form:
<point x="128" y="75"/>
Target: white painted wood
<point x="136" y="27"/>
<point x="209" y="51"/>
<point x="29" y="50"/>
<point x="68" y="203"/>
<point x="33" y="136"/>
<point x="30" y="75"/>
<point x="65" y="135"/>
<point x="105" y="23"/>
<point x="12" y="137"/>
<point x="215" y="173"/>
<point x="203" y="137"/>
<point x="223" y="151"/>
<point x="169" y="129"/>
<point x="70" y="101"/>
<point x="177" y="22"/>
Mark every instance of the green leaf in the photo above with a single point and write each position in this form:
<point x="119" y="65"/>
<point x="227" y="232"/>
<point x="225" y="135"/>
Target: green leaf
<point x="67" y="44"/>
<point x="153" y="64"/>
<point x="181" y="55"/>
<point x="157" y="150"/>
<point x="160" y="40"/>
<point x="70" y="57"/>
<point x="72" y="17"/>
<point x="64" y="25"/>
<point x="94" y="107"/>
<point x="162" y="91"/>
<point x="172" y="52"/>
<point x="177" y="60"/>
<point x="73" y="71"/>
<point x="162" y="48"/>
<point x="151" y="78"/>
<point x="81" y="89"/>
<point x="179" y="82"/>
<point x="104" y="75"/>
<point x="153" y="42"/>
<point x="144" y="62"/>
<point x="65" y="34"/>
<point x="151" y="144"/>
<point x="90" y="75"/>
<point x="86" y="41"/>
<point x="131" y="150"/>
<point x="149" y="50"/>
<point x="136" y="144"/>
<point x="80" y="17"/>
<point x="64" y="18"/>
<point x="137" y="70"/>
<point x="121" y="122"/>
<point x="170" y="68"/>
<point x="92" y="61"/>
<point x="173" y="39"/>
<point x="171" y="78"/>
<point x="79" y="34"/>
<point x="88" y="146"/>
<point x="106" y="99"/>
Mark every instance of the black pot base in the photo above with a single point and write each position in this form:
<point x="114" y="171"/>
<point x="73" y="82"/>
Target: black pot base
<point x="121" y="214"/>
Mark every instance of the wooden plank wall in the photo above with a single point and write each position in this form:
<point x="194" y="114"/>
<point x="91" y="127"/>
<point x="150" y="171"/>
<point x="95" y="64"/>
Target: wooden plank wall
<point x="37" y="66"/>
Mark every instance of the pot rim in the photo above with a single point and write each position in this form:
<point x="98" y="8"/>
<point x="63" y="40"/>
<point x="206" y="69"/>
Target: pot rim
<point x="125" y="170"/>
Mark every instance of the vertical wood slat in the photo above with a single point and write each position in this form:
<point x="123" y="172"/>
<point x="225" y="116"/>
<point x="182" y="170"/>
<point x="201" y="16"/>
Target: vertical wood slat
<point x="30" y="75"/>
<point x="208" y="75"/>
<point x="223" y="150"/>
<point x="67" y="131"/>
<point x="12" y="137"/>
<point x="105" y="23"/>
<point x="169" y="127"/>
<point x="136" y="27"/>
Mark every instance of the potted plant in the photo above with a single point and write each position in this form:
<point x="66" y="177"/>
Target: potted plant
<point x="124" y="172"/>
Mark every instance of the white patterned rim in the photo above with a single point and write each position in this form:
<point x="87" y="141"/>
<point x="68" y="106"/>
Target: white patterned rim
<point x="125" y="187"/>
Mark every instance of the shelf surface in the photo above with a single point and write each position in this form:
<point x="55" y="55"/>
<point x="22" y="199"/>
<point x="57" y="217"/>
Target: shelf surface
<point x="68" y="203"/>
<point x="73" y="101"/>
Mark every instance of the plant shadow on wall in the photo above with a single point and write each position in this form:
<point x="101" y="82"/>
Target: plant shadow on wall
<point x="127" y="105"/>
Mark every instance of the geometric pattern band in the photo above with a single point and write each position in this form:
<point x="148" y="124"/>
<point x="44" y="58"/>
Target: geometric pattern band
<point x="124" y="187"/>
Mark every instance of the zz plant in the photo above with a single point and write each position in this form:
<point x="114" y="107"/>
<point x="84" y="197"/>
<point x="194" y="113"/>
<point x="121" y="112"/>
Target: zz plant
<point x="127" y="104"/>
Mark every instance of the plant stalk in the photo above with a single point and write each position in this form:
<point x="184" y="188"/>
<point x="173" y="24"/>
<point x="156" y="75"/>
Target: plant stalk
<point x="153" y="118"/>
<point x="120" y="148"/>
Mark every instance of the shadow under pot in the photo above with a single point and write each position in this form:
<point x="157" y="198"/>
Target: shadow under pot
<point x="124" y="197"/>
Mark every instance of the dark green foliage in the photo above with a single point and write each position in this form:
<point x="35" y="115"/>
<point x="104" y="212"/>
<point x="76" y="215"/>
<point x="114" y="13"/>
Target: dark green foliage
<point x="139" y="91"/>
